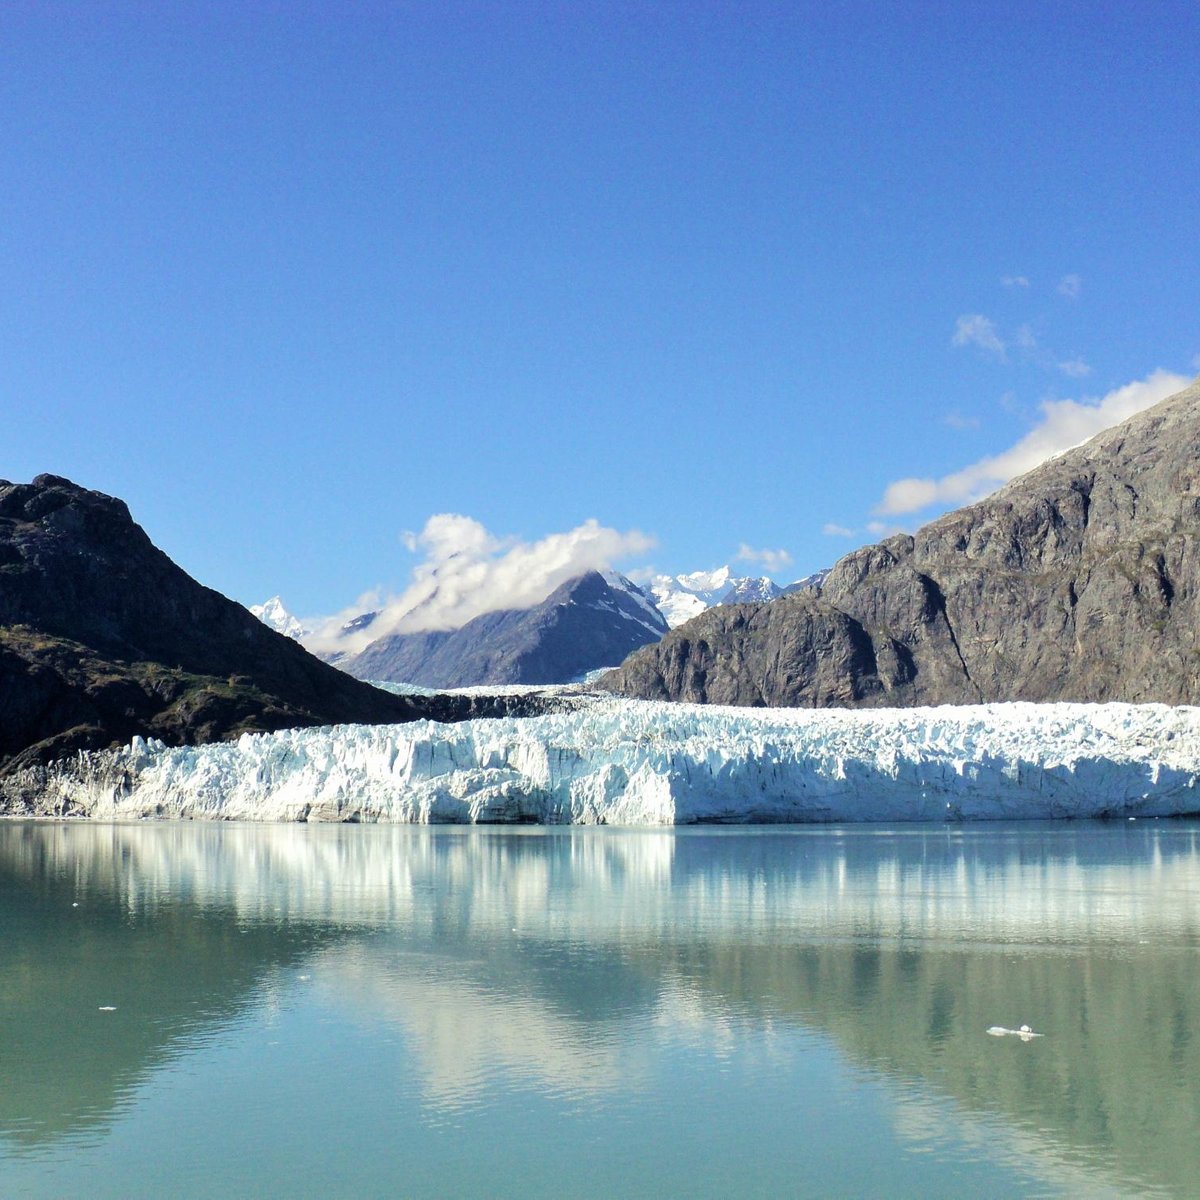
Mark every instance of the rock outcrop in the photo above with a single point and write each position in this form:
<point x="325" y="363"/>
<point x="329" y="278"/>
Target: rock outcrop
<point x="1078" y="581"/>
<point x="103" y="637"/>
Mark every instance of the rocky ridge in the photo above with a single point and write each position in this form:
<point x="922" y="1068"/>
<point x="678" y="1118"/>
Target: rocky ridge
<point x="1078" y="581"/>
<point x="103" y="637"/>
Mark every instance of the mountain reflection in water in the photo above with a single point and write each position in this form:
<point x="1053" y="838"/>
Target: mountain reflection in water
<point x="554" y="957"/>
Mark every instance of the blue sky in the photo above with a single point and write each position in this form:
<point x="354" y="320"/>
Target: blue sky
<point x="291" y="279"/>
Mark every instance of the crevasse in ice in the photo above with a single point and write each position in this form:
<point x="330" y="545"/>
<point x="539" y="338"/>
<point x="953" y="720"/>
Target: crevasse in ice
<point x="640" y="763"/>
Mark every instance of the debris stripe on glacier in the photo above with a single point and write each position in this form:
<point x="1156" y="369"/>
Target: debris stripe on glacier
<point x="644" y="763"/>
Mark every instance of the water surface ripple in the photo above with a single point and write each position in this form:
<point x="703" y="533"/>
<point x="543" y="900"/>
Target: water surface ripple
<point x="214" y="1010"/>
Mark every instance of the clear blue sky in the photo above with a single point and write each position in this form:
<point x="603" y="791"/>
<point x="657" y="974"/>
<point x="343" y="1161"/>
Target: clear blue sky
<point x="291" y="278"/>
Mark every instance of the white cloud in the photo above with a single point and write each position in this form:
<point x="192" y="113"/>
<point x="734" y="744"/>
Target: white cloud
<point x="1196" y="363"/>
<point x="958" y="421"/>
<point x="974" y="329"/>
<point x="771" y="560"/>
<point x="884" y="529"/>
<point x="447" y="535"/>
<point x="1026" y="339"/>
<point x="1014" y="281"/>
<point x="829" y="529"/>
<point x="642" y="576"/>
<point x="467" y="571"/>
<point x="1075" y="368"/>
<point x="1070" y="286"/>
<point x="1063" y="424"/>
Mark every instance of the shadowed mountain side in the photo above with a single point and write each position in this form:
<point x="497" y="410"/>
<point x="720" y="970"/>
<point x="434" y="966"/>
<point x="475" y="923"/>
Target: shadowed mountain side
<point x="587" y="623"/>
<point x="103" y="637"/>
<point x="1078" y="581"/>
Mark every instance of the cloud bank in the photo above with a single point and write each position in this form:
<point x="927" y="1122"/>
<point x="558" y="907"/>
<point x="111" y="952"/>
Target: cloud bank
<point x="467" y="571"/>
<point x="1063" y="425"/>
<point x="772" y="560"/>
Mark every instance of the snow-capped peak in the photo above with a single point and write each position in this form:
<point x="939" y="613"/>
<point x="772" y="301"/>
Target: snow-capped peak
<point x="641" y="608"/>
<point x="704" y="581"/>
<point x="682" y="597"/>
<point x="808" y="582"/>
<point x="274" y="614"/>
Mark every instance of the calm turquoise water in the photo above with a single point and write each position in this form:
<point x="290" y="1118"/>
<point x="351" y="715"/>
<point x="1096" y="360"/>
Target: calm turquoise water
<point x="373" y="1011"/>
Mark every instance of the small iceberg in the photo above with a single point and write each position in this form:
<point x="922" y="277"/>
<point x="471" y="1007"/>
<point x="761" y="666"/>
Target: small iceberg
<point x="1024" y="1033"/>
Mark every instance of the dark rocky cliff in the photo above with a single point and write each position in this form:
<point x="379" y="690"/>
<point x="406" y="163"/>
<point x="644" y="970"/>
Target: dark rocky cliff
<point x="1077" y="581"/>
<point x="103" y="637"/>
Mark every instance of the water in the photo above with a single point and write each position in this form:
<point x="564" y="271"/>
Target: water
<point x="214" y="1010"/>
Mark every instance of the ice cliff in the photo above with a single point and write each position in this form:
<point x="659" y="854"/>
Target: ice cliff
<point x="644" y="763"/>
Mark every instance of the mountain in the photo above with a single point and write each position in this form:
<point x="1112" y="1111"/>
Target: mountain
<point x="1078" y="581"/>
<point x="682" y="597"/>
<point x="749" y="590"/>
<point x="588" y="622"/>
<point x="103" y="637"/>
<point x="359" y="623"/>
<point x="808" y="583"/>
<point x="275" y="616"/>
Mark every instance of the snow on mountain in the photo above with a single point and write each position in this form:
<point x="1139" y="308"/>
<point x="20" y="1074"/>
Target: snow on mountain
<point x="682" y="597"/>
<point x="808" y="582"/>
<point x="751" y="591"/>
<point x="273" y="614"/>
<point x="359" y="623"/>
<point x="638" y="606"/>
<point x="644" y="763"/>
<point x="590" y="622"/>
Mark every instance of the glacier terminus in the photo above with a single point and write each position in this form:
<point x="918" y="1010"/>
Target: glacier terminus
<point x="628" y="762"/>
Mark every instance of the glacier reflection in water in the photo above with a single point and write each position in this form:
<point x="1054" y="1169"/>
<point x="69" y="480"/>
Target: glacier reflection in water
<point x="402" y="1010"/>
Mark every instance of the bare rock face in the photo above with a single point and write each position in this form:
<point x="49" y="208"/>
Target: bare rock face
<point x="1078" y="581"/>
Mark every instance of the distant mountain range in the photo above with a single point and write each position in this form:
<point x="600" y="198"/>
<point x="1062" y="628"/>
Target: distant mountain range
<point x="605" y="617"/>
<point x="682" y="597"/>
<point x="592" y="621"/>
<point x="1077" y="581"/>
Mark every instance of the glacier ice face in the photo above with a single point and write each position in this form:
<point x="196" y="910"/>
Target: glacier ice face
<point x="643" y="763"/>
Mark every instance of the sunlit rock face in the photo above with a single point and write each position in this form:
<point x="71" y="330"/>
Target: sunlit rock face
<point x="1078" y="581"/>
<point x="636" y="763"/>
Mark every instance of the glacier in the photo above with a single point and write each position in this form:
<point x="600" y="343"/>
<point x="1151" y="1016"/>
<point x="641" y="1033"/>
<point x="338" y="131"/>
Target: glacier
<point x="628" y="762"/>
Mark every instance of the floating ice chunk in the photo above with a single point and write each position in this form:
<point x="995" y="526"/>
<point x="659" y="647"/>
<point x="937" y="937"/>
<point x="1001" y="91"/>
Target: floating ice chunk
<point x="1024" y="1032"/>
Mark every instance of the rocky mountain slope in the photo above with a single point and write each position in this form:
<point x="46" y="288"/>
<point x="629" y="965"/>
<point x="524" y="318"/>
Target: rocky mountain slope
<point x="589" y="622"/>
<point x="103" y="637"/>
<point x="1077" y="581"/>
